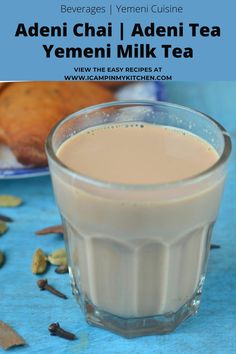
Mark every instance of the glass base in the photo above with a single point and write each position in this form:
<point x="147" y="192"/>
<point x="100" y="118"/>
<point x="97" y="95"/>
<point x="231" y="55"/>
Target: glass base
<point x="134" y="327"/>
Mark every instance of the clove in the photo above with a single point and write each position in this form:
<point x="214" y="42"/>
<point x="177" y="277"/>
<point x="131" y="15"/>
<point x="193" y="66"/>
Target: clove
<point x="56" y="330"/>
<point x="213" y="246"/>
<point x="43" y="285"/>
<point x="61" y="269"/>
<point x="5" y="218"/>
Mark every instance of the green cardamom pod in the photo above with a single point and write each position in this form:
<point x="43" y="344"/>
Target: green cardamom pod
<point x="3" y="228"/>
<point x="2" y="259"/>
<point x="58" y="257"/>
<point x="9" y="201"/>
<point x="39" y="263"/>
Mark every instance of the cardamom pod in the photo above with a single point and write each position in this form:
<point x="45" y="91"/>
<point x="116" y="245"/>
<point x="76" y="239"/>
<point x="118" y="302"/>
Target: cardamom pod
<point x="2" y="259"/>
<point x="58" y="257"/>
<point x="9" y="201"/>
<point x="3" y="228"/>
<point x="39" y="263"/>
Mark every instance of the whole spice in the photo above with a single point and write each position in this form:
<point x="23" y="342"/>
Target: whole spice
<point x="3" y="228"/>
<point x="61" y="269"/>
<point x="9" y="201"/>
<point x="57" y="229"/>
<point x="5" y="218"/>
<point x="8" y="337"/>
<point x="56" y="330"/>
<point x="43" y="285"/>
<point x="58" y="257"/>
<point x="39" y="263"/>
<point x="212" y="247"/>
<point x="2" y="259"/>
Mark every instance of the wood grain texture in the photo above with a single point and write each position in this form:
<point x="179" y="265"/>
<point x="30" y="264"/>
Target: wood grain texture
<point x="29" y="311"/>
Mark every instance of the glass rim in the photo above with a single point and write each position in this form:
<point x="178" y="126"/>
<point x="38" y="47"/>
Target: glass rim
<point x="138" y="187"/>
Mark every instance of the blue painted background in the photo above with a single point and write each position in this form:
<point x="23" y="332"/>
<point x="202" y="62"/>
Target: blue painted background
<point x="29" y="311"/>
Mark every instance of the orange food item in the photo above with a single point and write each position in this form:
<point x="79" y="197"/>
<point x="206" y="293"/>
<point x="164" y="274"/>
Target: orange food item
<point x="28" y="110"/>
<point x="3" y="85"/>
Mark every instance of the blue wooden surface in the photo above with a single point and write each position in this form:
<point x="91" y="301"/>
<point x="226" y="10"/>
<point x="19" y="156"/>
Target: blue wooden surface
<point x="29" y="311"/>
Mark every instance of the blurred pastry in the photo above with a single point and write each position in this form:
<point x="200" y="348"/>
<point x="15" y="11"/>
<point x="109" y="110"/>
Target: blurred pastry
<point x="28" y="110"/>
<point x="3" y="85"/>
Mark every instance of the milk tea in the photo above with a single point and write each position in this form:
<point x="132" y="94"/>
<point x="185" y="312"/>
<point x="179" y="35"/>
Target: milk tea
<point x="137" y="154"/>
<point x="137" y="252"/>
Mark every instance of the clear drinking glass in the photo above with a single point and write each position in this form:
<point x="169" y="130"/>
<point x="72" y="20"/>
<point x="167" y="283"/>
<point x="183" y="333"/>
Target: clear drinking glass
<point x="138" y="253"/>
